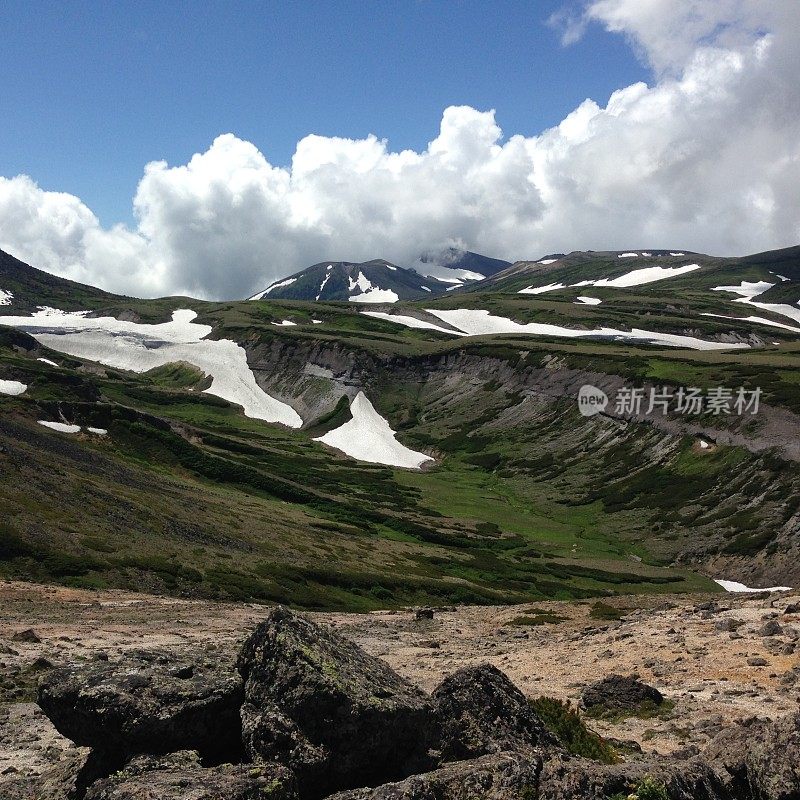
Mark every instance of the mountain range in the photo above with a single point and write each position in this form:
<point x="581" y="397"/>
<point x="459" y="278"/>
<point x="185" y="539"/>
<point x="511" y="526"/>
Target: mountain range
<point x="365" y="443"/>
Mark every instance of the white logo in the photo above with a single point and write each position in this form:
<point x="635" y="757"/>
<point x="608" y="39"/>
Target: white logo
<point x="591" y="400"/>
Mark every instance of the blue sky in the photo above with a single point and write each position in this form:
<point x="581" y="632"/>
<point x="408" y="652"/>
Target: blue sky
<point x="92" y="91"/>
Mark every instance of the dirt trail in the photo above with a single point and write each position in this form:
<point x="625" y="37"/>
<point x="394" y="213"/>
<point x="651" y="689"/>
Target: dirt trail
<point x="695" y="649"/>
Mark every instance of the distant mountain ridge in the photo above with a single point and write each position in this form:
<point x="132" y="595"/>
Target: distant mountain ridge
<point x="376" y="281"/>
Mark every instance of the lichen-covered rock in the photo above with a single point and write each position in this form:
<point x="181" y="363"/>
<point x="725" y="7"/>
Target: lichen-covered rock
<point x="479" y="711"/>
<point x="566" y="777"/>
<point x="619" y="694"/>
<point x="760" y="759"/>
<point x="347" y="718"/>
<point x="148" y="703"/>
<point x="180" y="776"/>
<point x="501" y="776"/>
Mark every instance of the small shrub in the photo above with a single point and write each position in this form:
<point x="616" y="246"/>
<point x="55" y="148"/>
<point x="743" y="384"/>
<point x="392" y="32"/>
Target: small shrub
<point x="601" y="610"/>
<point x="564" y="722"/>
<point x="651" y="789"/>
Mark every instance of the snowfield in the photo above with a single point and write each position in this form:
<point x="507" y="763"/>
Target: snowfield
<point x="551" y="287"/>
<point x="140" y="347"/>
<point x="370" y="293"/>
<point x="6" y="298"/>
<point x="368" y="437"/>
<point x="476" y="322"/>
<point x="375" y="295"/>
<point x="12" y="387"/>
<point x="748" y="290"/>
<point x="60" y="426"/>
<point x="411" y="322"/>
<point x="639" y="277"/>
<point x="733" y="586"/>
<point x="759" y="320"/>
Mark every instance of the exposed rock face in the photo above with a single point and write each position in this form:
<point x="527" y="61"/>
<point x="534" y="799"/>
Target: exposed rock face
<point x="318" y="703"/>
<point x="141" y="705"/>
<point x="760" y="760"/>
<point x="568" y="778"/>
<point x="312" y="714"/>
<point x="503" y="776"/>
<point x="180" y="776"/>
<point x="479" y="711"/>
<point x="618" y="694"/>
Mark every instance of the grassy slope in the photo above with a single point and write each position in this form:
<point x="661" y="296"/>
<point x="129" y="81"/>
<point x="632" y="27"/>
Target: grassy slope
<point x="187" y="495"/>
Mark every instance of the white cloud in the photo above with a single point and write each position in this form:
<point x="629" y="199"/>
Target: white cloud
<point x="707" y="158"/>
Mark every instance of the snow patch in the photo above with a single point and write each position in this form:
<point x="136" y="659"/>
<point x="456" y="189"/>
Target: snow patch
<point x="640" y="277"/>
<point x="757" y="320"/>
<point x="677" y="254"/>
<point x="316" y="321"/>
<point x="61" y="427"/>
<point x="12" y="387"/>
<point x="141" y="347"/>
<point x="47" y="361"/>
<point x="98" y="431"/>
<point x="589" y="301"/>
<point x="368" y="437"/>
<point x="281" y="284"/>
<point x="551" y="287"/>
<point x="748" y="290"/>
<point x="324" y="281"/>
<point x="361" y="282"/>
<point x="547" y="261"/>
<point x="647" y="255"/>
<point x="375" y="296"/>
<point x="6" y="298"/>
<point x="628" y="255"/>
<point x="284" y="323"/>
<point x="477" y="322"/>
<point x="411" y="322"/>
<point x="734" y="586"/>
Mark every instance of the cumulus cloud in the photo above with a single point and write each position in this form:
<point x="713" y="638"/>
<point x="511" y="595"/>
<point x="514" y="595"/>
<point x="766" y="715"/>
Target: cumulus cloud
<point x="706" y="158"/>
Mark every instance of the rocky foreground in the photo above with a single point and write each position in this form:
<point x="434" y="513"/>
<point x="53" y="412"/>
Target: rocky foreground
<point x="143" y="698"/>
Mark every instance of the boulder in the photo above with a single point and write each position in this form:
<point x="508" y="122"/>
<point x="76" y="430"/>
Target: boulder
<point x="501" y="776"/>
<point x="180" y="776"/>
<point x="570" y="778"/>
<point x="140" y="705"/>
<point x="619" y="694"/>
<point x="760" y="759"/>
<point x="479" y="710"/>
<point x="318" y="703"/>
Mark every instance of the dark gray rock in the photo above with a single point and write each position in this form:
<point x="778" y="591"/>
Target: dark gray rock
<point x="759" y="759"/>
<point x="568" y="778"/>
<point x="180" y="776"/>
<point x="770" y="628"/>
<point x="502" y="776"/>
<point x="480" y="711"/>
<point x="139" y="706"/>
<point x="29" y="636"/>
<point x="619" y="694"/>
<point x="318" y="703"/>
